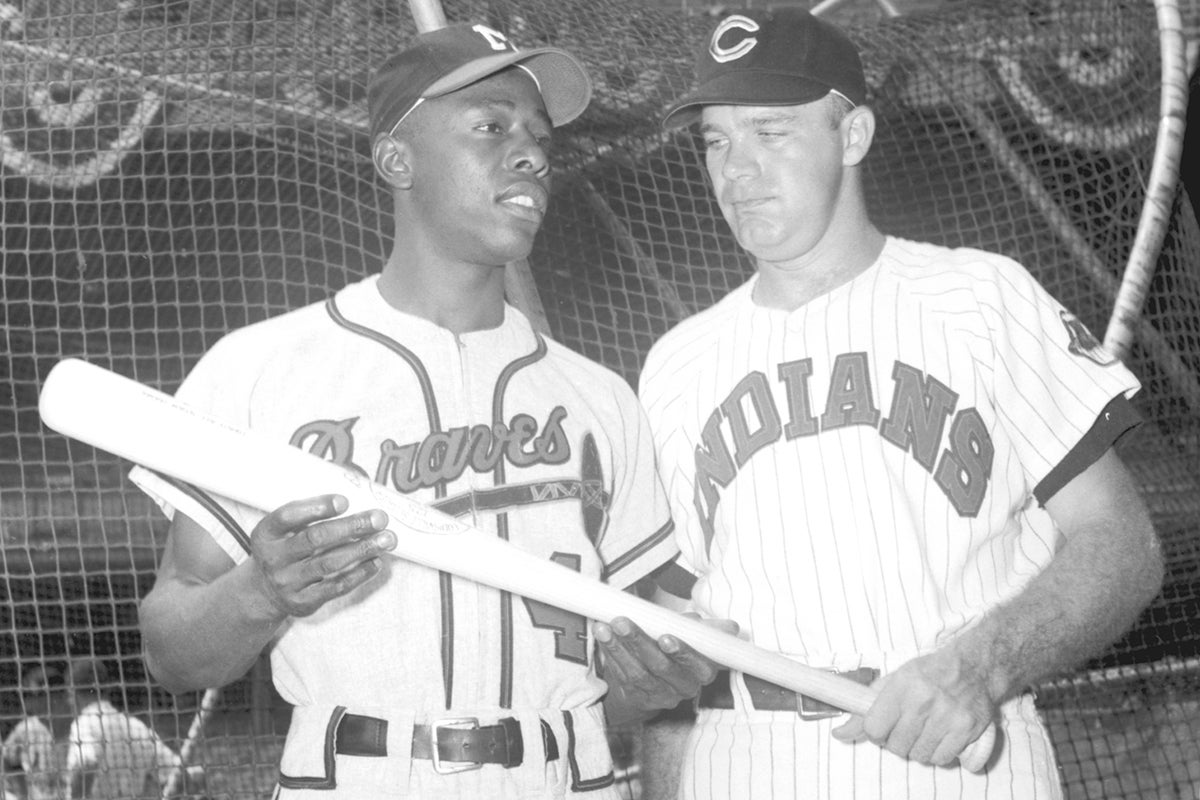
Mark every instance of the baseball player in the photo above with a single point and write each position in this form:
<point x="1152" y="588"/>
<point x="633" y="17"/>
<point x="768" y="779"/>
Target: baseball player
<point x="31" y="762"/>
<point x="406" y="681"/>
<point x="884" y="458"/>
<point x="110" y="753"/>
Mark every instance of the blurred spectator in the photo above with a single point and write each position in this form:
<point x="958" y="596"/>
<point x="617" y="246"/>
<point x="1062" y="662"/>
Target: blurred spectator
<point x="111" y="754"/>
<point x="31" y="761"/>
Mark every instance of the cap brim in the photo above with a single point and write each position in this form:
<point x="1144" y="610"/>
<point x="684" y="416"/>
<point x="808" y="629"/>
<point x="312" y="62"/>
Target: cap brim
<point x="743" y="89"/>
<point x="562" y="80"/>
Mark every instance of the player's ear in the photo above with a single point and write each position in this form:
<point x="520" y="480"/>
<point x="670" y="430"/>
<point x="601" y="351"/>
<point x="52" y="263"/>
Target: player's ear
<point x="392" y="160"/>
<point x="858" y="131"/>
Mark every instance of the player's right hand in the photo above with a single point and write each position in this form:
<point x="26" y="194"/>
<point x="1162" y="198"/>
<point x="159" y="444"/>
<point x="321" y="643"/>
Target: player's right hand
<point x="306" y="555"/>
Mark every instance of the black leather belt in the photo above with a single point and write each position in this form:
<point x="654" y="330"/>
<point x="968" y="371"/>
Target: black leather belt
<point x="766" y="696"/>
<point x="454" y="744"/>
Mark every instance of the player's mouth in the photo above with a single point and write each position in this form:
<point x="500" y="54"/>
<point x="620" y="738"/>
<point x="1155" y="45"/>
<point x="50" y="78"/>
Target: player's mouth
<point x="748" y="203"/>
<point x="526" y="200"/>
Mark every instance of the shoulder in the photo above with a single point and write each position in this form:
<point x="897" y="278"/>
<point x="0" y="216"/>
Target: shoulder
<point x="240" y="356"/>
<point x="266" y="337"/>
<point x="585" y="374"/>
<point x="961" y="285"/>
<point x="924" y="265"/>
<point x="685" y="347"/>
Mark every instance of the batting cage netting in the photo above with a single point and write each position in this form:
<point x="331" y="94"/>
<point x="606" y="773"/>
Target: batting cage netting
<point x="173" y="169"/>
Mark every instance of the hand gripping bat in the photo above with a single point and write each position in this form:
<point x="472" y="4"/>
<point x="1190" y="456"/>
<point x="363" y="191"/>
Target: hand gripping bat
<point x="136" y="422"/>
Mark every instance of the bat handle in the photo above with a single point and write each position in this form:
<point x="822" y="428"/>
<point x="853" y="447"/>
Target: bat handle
<point x="976" y="755"/>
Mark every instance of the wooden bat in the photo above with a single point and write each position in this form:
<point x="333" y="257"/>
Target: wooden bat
<point x="136" y="422"/>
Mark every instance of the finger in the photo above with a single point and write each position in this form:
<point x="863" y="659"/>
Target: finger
<point x="343" y="531"/>
<point x="625" y="642"/>
<point x="329" y="565"/>
<point x="851" y="731"/>
<point x="906" y="737"/>
<point x="955" y="741"/>
<point x="675" y="665"/>
<point x="299" y="514"/>
<point x="315" y="595"/>
<point x="699" y="667"/>
<point x="924" y="741"/>
<point x="882" y="717"/>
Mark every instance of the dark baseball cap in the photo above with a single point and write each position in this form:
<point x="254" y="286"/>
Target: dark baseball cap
<point x="445" y="60"/>
<point x="781" y="57"/>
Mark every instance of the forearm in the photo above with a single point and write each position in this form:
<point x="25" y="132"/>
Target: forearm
<point x="200" y="635"/>
<point x="1081" y="604"/>
<point x="1107" y="572"/>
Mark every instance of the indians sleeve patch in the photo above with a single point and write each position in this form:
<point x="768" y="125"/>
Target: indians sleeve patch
<point x="1083" y="343"/>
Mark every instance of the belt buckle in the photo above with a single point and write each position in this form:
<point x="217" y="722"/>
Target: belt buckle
<point x="810" y="708"/>
<point x="451" y="723"/>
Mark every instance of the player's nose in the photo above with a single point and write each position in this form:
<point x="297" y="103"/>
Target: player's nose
<point x="739" y="162"/>
<point x="528" y="154"/>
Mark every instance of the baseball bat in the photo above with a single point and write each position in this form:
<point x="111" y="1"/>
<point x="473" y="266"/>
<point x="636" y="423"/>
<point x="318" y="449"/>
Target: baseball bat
<point x="208" y="705"/>
<point x="148" y="427"/>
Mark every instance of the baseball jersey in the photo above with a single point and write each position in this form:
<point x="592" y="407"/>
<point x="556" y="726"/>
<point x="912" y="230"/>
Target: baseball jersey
<point x="34" y="759"/>
<point x="127" y="757"/>
<point x="856" y="481"/>
<point x="504" y="428"/>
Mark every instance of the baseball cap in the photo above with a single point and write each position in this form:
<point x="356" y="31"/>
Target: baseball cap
<point x="445" y="60"/>
<point x="762" y="57"/>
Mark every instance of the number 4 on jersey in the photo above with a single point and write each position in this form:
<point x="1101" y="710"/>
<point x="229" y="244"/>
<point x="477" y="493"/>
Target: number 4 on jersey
<point x="570" y="630"/>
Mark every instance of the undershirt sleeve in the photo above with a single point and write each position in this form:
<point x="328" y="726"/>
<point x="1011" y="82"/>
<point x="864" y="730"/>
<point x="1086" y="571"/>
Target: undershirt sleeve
<point x="1118" y="418"/>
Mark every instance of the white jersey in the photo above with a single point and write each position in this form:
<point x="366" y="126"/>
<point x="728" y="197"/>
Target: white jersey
<point x="857" y="481"/>
<point x="518" y="435"/>
<point x="32" y="761"/>
<point x="125" y="756"/>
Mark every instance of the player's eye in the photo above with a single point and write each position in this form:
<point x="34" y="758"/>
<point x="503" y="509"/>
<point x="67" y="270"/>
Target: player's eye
<point x="714" y="142"/>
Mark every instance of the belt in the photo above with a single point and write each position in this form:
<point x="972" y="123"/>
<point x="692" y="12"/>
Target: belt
<point x="766" y="696"/>
<point x="455" y="744"/>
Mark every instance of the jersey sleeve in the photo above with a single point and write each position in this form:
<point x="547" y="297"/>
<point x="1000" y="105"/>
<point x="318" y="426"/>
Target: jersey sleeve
<point x="665" y="406"/>
<point x="1058" y="393"/>
<point x="638" y="537"/>
<point x="216" y="388"/>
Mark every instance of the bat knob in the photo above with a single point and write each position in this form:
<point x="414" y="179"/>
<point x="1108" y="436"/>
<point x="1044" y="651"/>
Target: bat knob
<point x="976" y="755"/>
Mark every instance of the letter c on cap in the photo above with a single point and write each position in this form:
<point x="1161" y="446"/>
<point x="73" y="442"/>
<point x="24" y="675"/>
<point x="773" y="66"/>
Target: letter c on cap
<point x="737" y="21"/>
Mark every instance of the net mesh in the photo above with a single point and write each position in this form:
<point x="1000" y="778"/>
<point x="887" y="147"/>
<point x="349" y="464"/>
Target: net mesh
<point x="172" y="170"/>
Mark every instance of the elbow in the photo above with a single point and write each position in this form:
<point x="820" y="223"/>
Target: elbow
<point x="172" y="681"/>
<point x="1144" y="573"/>
<point x="161" y="650"/>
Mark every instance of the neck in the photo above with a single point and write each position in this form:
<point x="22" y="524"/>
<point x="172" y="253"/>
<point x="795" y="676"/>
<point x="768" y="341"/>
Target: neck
<point x="847" y="248"/>
<point x="460" y="298"/>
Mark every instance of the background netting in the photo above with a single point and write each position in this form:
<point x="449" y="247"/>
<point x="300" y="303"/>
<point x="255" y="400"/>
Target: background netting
<point x="172" y="169"/>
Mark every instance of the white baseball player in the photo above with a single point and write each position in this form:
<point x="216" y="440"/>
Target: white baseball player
<point x="110" y="753"/>
<point x="406" y="681"/>
<point x="885" y="458"/>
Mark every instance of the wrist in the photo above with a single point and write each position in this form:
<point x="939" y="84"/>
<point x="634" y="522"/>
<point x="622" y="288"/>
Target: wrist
<point x="259" y="604"/>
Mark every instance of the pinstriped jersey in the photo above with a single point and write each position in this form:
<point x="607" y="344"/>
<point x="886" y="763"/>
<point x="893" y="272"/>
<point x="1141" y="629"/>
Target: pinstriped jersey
<point x="857" y="480"/>
<point x="523" y="438"/>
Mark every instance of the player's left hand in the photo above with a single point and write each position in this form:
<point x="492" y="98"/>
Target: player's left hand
<point x="644" y="674"/>
<point x="928" y="710"/>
